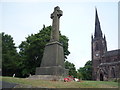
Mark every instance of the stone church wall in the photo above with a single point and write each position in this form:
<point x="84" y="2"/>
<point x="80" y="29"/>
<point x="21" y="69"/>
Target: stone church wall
<point x="109" y="70"/>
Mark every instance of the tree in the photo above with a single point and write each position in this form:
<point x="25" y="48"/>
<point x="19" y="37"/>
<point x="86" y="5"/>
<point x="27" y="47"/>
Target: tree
<point x="31" y="50"/>
<point x="71" y="68"/>
<point x="86" y="71"/>
<point x="10" y="57"/>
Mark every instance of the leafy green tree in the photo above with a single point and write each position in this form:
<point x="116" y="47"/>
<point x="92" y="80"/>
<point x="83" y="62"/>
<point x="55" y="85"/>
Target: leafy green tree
<point x="10" y="57"/>
<point x="71" y="68"/>
<point x="31" y="50"/>
<point x="86" y="71"/>
<point x="79" y="75"/>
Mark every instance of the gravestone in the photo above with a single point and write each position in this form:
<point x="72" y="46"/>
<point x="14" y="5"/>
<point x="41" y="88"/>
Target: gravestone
<point x="52" y="64"/>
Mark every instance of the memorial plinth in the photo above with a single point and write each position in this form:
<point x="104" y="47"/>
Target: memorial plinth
<point x="53" y="60"/>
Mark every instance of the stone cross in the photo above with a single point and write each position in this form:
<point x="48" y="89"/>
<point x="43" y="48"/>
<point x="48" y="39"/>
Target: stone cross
<point x="55" y="24"/>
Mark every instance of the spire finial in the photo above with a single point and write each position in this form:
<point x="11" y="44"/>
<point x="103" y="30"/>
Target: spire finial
<point x="95" y="8"/>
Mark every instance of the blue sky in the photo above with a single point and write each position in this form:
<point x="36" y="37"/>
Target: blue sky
<point x="20" y="19"/>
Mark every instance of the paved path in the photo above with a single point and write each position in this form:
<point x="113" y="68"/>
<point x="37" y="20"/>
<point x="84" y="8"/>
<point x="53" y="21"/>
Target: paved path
<point x="7" y="84"/>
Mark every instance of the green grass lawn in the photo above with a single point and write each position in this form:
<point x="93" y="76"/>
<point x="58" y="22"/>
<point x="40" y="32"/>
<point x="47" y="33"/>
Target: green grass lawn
<point x="61" y="84"/>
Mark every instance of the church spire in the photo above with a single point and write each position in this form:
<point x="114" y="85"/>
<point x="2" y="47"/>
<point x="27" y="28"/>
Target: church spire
<point x="98" y="32"/>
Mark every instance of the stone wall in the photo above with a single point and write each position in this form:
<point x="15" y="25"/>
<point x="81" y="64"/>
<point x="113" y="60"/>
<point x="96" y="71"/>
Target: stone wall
<point x="108" y="71"/>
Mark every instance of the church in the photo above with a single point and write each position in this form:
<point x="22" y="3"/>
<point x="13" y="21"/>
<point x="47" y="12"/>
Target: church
<point x="105" y="64"/>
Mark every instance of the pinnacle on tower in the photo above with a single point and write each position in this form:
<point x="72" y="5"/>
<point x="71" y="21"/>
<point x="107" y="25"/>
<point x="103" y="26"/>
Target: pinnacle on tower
<point x="105" y="42"/>
<point x="98" y="32"/>
<point x="92" y="37"/>
<point x="104" y="37"/>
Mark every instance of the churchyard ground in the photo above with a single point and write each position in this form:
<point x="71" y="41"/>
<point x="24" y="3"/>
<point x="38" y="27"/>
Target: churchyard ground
<point x="24" y="82"/>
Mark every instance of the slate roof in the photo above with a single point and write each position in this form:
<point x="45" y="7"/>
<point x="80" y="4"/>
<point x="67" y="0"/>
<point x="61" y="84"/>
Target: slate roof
<point x="112" y="53"/>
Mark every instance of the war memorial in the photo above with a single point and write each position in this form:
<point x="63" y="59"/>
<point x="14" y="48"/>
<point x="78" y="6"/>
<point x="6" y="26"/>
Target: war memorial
<point x="52" y="65"/>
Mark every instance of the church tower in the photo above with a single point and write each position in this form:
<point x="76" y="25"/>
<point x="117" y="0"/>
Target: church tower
<point x="98" y="45"/>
